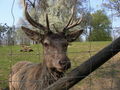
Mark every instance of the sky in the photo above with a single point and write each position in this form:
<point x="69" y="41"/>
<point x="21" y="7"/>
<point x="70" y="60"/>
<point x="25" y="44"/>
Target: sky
<point x="5" y="12"/>
<point x="6" y="16"/>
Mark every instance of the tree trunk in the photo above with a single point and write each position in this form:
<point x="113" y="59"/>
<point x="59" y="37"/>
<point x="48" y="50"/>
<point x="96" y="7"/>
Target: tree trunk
<point x="87" y="67"/>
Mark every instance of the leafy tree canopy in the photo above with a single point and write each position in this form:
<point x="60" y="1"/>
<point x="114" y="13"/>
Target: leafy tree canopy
<point x="101" y="27"/>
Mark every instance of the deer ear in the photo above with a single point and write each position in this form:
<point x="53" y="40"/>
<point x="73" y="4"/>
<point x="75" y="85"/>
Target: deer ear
<point x="73" y="35"/>
<point x="33" y="35"/>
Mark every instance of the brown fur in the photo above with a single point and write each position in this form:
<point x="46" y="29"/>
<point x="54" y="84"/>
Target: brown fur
<point x="28" y="76"/>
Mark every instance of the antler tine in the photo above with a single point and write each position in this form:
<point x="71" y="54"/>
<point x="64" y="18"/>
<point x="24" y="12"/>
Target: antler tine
<point x="33" y="22"/>
<point x="55" y="28"/>
<point x="70" y="20"/>
<point x="47" y="23"/>
<point x="75" y="24"/>
<point x="70" y="23"/>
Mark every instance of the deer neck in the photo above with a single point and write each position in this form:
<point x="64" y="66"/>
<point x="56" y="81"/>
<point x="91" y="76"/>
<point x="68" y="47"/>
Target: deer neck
<point x="49" y="76"/>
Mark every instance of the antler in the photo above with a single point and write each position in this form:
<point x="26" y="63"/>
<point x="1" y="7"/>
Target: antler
<point x="70" y="23"/>
<point x="47" y="22"/>
<point x="34" y="23"/>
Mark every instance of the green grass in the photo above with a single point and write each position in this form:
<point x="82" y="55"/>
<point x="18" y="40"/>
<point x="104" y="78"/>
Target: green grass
<point x="78" y="52"/>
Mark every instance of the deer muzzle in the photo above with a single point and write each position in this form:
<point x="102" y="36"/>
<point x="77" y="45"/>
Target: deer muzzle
<point x="65" y="64"/>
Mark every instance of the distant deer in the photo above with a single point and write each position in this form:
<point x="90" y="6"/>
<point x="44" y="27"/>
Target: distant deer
<point x="28" y="76"/>
<point x="26" y="48"/>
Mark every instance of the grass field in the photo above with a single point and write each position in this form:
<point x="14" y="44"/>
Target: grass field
<point x="108" y="74"/>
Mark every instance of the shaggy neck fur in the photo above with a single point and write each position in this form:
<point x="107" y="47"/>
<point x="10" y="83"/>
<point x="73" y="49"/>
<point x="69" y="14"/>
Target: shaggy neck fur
<point x="49" y="76"/>
<point x="31" y="76"/>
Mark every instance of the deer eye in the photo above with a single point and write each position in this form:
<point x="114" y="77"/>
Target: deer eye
<point x="46" y="43"/>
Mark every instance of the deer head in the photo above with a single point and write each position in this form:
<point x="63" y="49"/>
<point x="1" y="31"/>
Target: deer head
<point x="55" y="44"/>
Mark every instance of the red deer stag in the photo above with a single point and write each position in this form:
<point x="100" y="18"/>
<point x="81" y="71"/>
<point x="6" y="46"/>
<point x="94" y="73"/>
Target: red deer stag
<point x="28" y="76"/>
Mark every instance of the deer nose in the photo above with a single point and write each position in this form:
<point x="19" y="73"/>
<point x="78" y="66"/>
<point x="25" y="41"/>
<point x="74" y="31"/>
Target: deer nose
<point x="65" y="64"/>
<point x="62" y="63"/>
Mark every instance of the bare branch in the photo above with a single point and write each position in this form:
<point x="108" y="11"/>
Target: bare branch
<point x="32" y="4"/>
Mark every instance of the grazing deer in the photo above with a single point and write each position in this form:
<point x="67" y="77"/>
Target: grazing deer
<point x="28" y="76"/>
<point x="26" y="48"/>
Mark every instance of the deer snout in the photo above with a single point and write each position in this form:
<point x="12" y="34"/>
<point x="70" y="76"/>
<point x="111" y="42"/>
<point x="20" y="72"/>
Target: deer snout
<point x="65" y="64"/>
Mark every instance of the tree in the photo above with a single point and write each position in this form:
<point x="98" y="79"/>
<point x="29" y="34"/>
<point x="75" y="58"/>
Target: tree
<point x="22" y="38"/>
<point x="113" y="5"/>
<point x="20" y="35"/>
<point x="3" y="28"/>
<point x="101" y="27"/>
<point x="7" y="34"/>
<point x="58" y="11"/>
<point x="9" y="37"/>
